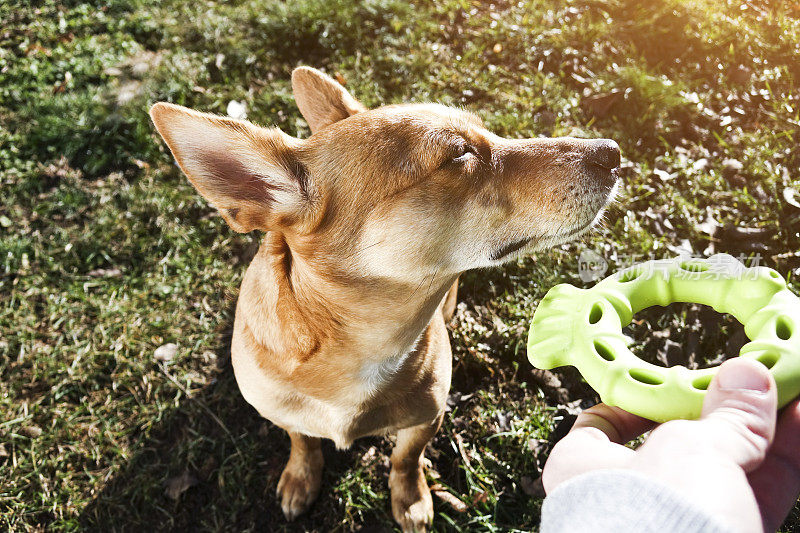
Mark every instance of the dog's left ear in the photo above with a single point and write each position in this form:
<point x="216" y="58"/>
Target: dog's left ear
<point x="321" y="99"/>
<point x="252" y="175"/>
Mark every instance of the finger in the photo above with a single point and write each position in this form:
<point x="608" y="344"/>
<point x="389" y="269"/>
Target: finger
<point x="739" y="411"/>
<point x="776" y="483"/>
<point x="593" y="443"/>
<point x="617" y="425"/>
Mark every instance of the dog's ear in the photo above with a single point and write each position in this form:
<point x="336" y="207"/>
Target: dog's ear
<point x="321" y="99"/>
<point x="250" y="174"/>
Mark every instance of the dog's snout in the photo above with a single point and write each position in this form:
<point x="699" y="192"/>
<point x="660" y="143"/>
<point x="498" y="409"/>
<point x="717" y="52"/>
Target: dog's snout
<point x="604" y="153"/>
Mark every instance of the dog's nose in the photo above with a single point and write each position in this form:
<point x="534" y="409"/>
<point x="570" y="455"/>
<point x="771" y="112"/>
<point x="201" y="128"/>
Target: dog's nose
<point x="604" y="153"/>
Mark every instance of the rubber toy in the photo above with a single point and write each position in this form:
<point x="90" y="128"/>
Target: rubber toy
<point x="583" y="328"/>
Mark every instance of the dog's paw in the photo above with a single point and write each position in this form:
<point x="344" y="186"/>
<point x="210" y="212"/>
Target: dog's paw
<point x="412" y="505"/>
<point x="298" y="488"/>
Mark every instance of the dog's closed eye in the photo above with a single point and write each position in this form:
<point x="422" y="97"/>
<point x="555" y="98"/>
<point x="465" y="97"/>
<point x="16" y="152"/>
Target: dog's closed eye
<point x="460" y="154"/>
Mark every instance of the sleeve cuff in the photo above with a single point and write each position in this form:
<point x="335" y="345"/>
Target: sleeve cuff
<point x="623" y="500"/>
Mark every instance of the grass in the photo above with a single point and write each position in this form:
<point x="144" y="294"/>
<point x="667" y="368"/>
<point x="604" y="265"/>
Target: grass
<point x="106" y="252"/>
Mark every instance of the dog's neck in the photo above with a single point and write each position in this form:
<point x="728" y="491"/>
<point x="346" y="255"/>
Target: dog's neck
<point x="374" y="319"/>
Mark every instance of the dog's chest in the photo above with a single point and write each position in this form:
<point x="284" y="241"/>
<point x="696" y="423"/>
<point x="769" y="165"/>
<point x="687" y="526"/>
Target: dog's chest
<point x="363" y="408"/>
<point x="374" y="374"/>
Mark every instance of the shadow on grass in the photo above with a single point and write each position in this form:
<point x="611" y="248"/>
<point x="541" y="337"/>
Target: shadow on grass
<point x="231" y="459"/>
<point x="231" y="463"/>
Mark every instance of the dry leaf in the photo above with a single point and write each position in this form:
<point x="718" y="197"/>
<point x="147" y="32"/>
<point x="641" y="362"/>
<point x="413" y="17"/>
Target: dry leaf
<point x="532" y="487"/>
<point x="175" y="486"/>
<point x="731" y="167"/>
<point x="480" y="497"/>
<point x="31" y="431"/>
<point x="166" y="352"/>
<point x="598" y="105"/>
<point x="237" y="110"/>
<point x="791" y="197"/>
<point x="450" y="499"/>
<point x="105" y="273"/>
<point x="61" y="87"/>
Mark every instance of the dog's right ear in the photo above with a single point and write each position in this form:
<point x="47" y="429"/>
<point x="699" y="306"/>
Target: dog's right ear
<point x="250" y="174"/>
<point x="321" y="99"/>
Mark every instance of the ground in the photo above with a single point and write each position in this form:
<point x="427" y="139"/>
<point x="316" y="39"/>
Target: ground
<point x="107" y="253"/>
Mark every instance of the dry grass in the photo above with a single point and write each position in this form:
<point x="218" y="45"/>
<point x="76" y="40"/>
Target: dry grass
<point x="107" y="253"/>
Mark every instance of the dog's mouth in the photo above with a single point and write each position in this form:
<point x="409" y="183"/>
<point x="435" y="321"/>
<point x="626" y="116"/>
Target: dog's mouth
<point x="575" y="231"/>
<point x="510" y="248"/>
<point x="515" y="246"/>
<point x="506" y="250"/>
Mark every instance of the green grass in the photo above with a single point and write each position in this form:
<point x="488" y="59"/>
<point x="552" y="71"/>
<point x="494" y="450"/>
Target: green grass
<point x="106" y="252"/>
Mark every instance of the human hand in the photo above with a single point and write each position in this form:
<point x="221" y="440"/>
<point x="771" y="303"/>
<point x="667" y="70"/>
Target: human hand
<point x="738" y="462"/>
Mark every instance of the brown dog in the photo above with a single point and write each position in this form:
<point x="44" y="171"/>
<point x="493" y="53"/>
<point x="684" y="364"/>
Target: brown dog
<point x="340" y="324"/>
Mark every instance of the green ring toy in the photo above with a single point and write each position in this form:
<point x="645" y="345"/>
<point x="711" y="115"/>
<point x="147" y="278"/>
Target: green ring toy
<point x="583" y="328"/>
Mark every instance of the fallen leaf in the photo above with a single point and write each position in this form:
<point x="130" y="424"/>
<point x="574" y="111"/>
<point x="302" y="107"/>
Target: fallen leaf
<point x="141" y="164"/>
<point x="733" y="239"/>
<point x="791" y="197"/>
<point x="663" y="175"/>
<point x="599" y="105"/>
<point x="105" y="273"/>
<point x="740" y="75"/>
<point x="31" y="431"/>
<point x="550" y="384"/>
<point x="36" y="49"/>
<point x="166" y="352"/>
<point x="128" y="91"/>
<point x="237" y="110"/>
<point x="480" y="497"/>
<point x="759" y="193"/>
<point x="532" y="487"/>
<point x="537" y="446"/>
<point x="61" y="87"/>
<point x="450" y="499"/>
<point x="731" y="167"/>
<point x="369" y="455"/>
<point x="175" y="486"/>
<point x="208" y="468"/>
<point x="112" y="71"/>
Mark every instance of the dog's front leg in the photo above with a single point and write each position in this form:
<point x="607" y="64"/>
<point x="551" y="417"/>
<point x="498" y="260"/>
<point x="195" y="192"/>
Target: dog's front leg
<point x="412" y="505"/>
<point x="300" y="480"/>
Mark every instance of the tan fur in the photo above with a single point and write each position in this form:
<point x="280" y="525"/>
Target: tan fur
<point x="340" y="324"/>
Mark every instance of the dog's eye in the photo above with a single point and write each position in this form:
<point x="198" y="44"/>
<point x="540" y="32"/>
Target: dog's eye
<point x="463" y="153"/>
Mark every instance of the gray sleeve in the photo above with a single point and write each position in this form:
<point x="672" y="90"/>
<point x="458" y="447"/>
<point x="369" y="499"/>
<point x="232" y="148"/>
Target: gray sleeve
<point x="622" y="500"/>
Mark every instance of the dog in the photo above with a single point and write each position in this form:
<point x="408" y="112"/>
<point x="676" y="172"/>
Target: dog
<point x="340" y="322"/>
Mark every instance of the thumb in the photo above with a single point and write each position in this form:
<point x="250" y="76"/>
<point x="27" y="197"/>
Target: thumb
<point x="740" y="410"/>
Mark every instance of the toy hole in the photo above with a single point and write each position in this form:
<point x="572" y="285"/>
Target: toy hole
<point x="694" y="267"/>
<point x="595" y="314"/>
<point x="774" y="274"/>
<point x="782" y="328"/>
<point x="660" y="335"/>
<point x="645" y="376"/>
<point x="767" y="359"/>
<point x="629" y="275"/>
<point x="603" y="351"/>
<point x="702" y="382"/>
